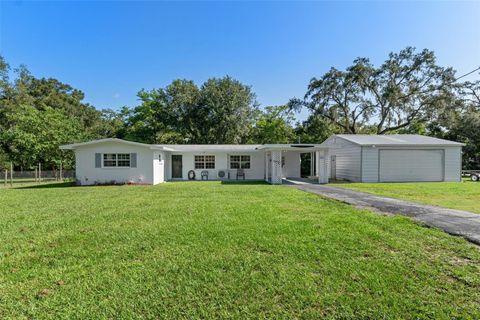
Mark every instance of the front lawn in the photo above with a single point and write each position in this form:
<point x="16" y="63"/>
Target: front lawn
<point x="456" y="195"/>
<point x="211" y="250"/>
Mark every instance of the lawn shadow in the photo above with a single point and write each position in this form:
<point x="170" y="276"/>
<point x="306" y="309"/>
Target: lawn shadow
<point x="48" y="185"/>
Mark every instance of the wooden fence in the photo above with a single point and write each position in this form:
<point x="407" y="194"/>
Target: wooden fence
<point x="11" y="177"/>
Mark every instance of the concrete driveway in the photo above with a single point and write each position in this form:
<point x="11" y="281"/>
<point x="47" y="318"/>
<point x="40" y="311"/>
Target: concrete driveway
<point x="456" y="222"/>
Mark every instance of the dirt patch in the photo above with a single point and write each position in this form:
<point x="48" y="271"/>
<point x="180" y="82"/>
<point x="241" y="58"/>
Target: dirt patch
<point x="460" y="261"/>
<point x="42" y="294"/>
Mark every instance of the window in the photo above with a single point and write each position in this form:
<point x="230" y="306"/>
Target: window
<point x="239" y="162"/>
<point x="123" y="160"/>
<point x="116" y="160"/>
<point x="204" y="162"/>
<point x="109" y="160"/>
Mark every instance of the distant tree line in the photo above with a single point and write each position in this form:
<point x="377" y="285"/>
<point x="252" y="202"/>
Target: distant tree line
<point x="408" y="93"/>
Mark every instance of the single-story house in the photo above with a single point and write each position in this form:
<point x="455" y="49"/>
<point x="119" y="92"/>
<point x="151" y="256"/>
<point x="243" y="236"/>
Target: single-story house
<point x="362" y="158"/>
<point x="393" y="158"/>
<point x="119" y="161"/>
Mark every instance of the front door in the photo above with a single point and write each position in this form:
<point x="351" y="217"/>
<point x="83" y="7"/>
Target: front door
<point x="333" y="167"/>
<point x="177" y="166"/>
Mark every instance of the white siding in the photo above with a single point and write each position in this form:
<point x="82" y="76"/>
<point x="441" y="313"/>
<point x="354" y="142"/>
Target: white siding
<point x="87" y="174"/>
<point x="256" y="171"/>
<point x="453" y="164"/>
<point x="348" y="158"/>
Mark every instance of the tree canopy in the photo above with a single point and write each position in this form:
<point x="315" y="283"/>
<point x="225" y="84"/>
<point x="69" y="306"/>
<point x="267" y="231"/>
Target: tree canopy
<point x="274" y="125"/>
<point x="38" y="115"/>
<point x="221" y="110"/>
<point x="408" y="87"/>
<point x="463" y="124"/>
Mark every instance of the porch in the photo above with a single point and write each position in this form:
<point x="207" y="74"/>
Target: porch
<point x="283" y="163"/>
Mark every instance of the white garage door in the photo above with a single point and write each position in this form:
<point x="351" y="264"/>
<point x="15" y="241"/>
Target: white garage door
<point x="411" y="165"/>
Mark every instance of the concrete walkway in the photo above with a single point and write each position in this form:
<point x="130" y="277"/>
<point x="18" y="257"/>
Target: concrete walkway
<point x="456" y="222"/>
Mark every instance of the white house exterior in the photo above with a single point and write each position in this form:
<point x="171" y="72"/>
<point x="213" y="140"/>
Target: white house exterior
<point x="393" y="158"/>
<point x="109" y="161"/>
<point x="143" y="164"/>
<point x="358" y="158"/>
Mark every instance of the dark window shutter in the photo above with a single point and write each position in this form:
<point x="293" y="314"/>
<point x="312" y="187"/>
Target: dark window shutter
<point x="133" y="160"/>
<point x="98" y="160"/>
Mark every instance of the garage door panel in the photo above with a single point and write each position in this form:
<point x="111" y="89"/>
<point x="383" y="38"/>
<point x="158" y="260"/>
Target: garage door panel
<point x="411" y="165"/>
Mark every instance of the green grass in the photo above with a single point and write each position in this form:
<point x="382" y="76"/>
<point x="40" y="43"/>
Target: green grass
<point x="25" y="182"/>
<point x="212" y="250"/>
<point x="456" y="195"/>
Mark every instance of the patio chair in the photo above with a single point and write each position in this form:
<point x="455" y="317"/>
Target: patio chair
<point x="204" y="174"/>
<point x="241" y="173"/>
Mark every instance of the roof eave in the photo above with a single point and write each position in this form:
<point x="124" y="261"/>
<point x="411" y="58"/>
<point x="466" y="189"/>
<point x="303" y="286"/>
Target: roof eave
<point x="162" y="148"/>
<point x="73" y="146"/>
<point x="412" y="145"/>
<point x="346" y="138"/>
<point x="316" y="148"/>
<point x="212" y="150"/>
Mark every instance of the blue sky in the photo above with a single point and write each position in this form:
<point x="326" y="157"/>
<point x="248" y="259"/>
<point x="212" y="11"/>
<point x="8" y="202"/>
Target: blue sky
<point x="110" y="50"/>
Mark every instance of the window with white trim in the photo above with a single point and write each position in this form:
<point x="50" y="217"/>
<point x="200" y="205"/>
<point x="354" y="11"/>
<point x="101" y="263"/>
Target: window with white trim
<point x="112" y="160"/>
<point x="204" y="162"/>
<point x="240" y="162"/>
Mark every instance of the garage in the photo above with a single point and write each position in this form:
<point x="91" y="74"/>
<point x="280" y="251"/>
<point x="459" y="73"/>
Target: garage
<point x="393" y="158"/>
<point x="411" y="165"/>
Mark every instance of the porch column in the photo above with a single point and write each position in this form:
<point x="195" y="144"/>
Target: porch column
<point x="276" y="167"/>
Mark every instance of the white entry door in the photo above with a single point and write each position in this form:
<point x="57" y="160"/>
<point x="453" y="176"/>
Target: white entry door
<point x="411" y="165"/>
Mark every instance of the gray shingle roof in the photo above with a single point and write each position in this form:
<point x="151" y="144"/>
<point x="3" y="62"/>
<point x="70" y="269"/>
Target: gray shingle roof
<point x="397" y="140"/>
